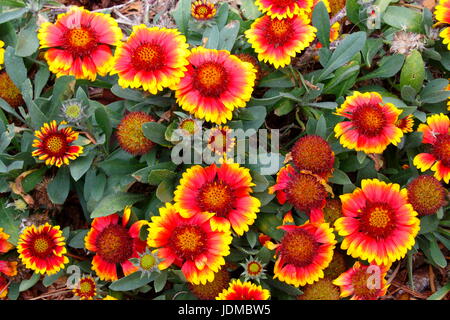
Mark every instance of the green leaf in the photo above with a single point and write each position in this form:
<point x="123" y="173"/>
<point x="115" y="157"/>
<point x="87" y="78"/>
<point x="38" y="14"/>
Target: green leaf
<point x="31" y="180"/>
<point x="158" y="175"/>
<point x="27" y="42"/>
<point x="290" y="290"/>
<point x="352" y="9"/>
<point x="127" y="93"/>
<point x="15" y="67"/>
<point x="27" y="284"/>
<point x="435" y="252"/>
<point x="78" y="240"/>
<point x="40" y="80"/>
<point x="211" y="36"/>
<point x="428" y="224"/>
<point x="413" y="71"/>
<point x="103" y="120"/>
<point x="164" y="192"/>
<point x="321" y="127"/>
<point x="58" y="188"/>
<point x="321" y="20"/>
<point x="249" y="9"/>
<point x="155" y="132"/>
<point x="49" y="280"/>
<point x="10" y="222"/>
<point x="116" y="202"/>
<point x="340" y="177"/>
<point x="80" y="166"/>
<point x="130" y="282"/>
<point x="228" y="35"/>
<point x="403" y="18"/>
<point x="12" y="15"/>
<point x="160" y="281"/>
<point x="276" y="79"/>
<point x="182" y="14"/>
<point x="389" y="66"/>
<point x="441" y="293"/>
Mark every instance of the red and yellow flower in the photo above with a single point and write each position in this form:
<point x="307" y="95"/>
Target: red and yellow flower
<point x="436" y="134"/>
<point x="284" y="8"/>
<point x="152" y="58"/>
<point x="86" y="289"/>
<point x="426" y="194"/>
<point x="42" y="249"/>
<point x="80" y="43"/>
<point x="8" y="268"/>
<point x="211" y="290"/>
<point x="203" y="10"/>
<point x="442" y="13"/>
<point x="372" y="123"/>
<point x="114" y="244"/>
<point x="215" y="84"/>
<point x="189" y="243"/>
<point x="244" y="291"/>
<point x="223" y="192"/>
<point x="3" y="287"/>
<point x="131" y="135"/>
<point x="363" y="282"/>
<point x="55" y="145"/>
<point x="2" y="54"/>
<point x="303" y="253"/>
<point x="378" y="223"/>
<point x="406" y="124"/>
<point x="5" y="245"/>
<point x="220" y="140"/>
<point x="276" y="41"/>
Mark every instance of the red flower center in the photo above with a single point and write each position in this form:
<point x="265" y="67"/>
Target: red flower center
<point x="362" y="284"/>
<point x="426" y="195"/>
<point x="55" y="145"/>
<point x="211" y="79"/>
<point x="202" y="10"/>
<point x="42" y="246"/>
<point x="283" y="3"/>
<point x="298" y="247"/>
<point x="377" y="220"/>
<point x="115" y="244"/>
<point x="369" y="120"/>
<point x="80" y="41"/>
<point x="441" y="149"/>
<point x="148" y="57"/>
<point x="188" y="241"/>
<point x="216" y="197"/>
<point x="305" y="192"/>
<point x="278" y="32"/>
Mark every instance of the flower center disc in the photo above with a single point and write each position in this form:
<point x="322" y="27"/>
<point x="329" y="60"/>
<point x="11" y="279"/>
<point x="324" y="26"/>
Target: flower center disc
<point x="254" y="268"/>
<point x="86" y="286"/>
<point x="305" y="192"/>
<point x="361" y="284"/>
<point x="148" y="57"/>
<point x="298" y="247"/>
<point x="441" y="149"/>
<point x="216" y="197"/>
<point x="211" y="79"/>
<point x="55" y="144"/>
<point x="81" y="40"/>
<point x="312" y="153"/>
<point x="42" y="246"/>
<point x="377" y="220"/>
<point x="279" y="31"/>
<point x="189" y="126"/>
<point x="188" y="241"/>
<point x="114" y="244"/>
<point x="369" y="119"/>
<point x="201" y="10"/>
<point x="73" y="111"/>
<point x="148" y="261"/>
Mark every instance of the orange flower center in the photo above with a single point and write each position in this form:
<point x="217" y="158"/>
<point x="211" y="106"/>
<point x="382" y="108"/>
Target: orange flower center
<point x="115" y="244"/>
<point x="305" y="192"/>
<point x="441" y="149"/>
<point x="216" y="197"/>
<point x="278" y="32"/>
<point x="188" y="241"/>
<point x="332" y="210"/>
<point x="298" y="247"/>
<point x="361" y="285"/>
<point x="55" y="144"/>
<point x="254" y="268"/>
<point x="279" y="27"/>
<point x="426" y="195"/>
<point x="211" y="79"/>
<point x="42" y="246"/>
<point x="377" y="220"/>
<point x="148" y="57"/>
<point x="130" y="134"/>
<point x="80" y="41"/>
<point x="369" y="120"/>
<point x="212" y="289"/>
<point x="313" y="153"/>
<point x="201" y="10"/>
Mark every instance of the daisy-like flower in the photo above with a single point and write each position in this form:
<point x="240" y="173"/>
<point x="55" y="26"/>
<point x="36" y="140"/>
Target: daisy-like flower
<point x="253" y="269"/>
<point x="86" y="288"/>
<point x="72" y="110"/>
<point x="80" y="43"/>
<point x="114" y="244"/>
<point x="131" y="135"/>
<point x="305" y="191"/>
<point x="363" y="282"/>
<point x="332" y="211"/>
<point x="147" y="262"/>
<point x="189" y="243"/>
<point x="436" y="134"/>
<point x="220" y="140"/>
<point x="42" y="249"/>
<point x="303" y="253"/>
<point x="324" y="289"/>
<point x="442" y="14"/>
<point x="221" y="191"/>
<point x="5" y="245"/>
<point x="2" y="54"/>
<point x="55" y="145"/>
<point x="8" y="268"/>
<point x="406" y="124"/>
<point x="313" y="153"/>
<point x="277" y="40"/>
<point x="244" y="291"/>
<point x="284" y="8"/>
<point x="152" y="58"/>
<point x="203" y="10"/>
<point x="215" y="84"/>
<point x="426" y="194"/>
<point x="371" y="126"/>
<point x="211" y="290"/>
<point x="9" y="91"/>
<point x="378" y="223"/>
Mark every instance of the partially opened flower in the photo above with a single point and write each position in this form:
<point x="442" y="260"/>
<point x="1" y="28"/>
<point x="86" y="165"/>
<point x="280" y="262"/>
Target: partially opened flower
<point x="73" y="110"/>
<point x="189" y="243"/>
<point x="190" y="126"/>
<point x="5" y="245"/>
<point x="303" y="253"/>
<point x="363" y="282"/>
<point x="378" y="223"/>
<point x="80" y="43"/>
<point x="244" y="291"/>
<point x="9" y="91"/>
<point x="277" y="41"/>
<point x="324" y="289"/>
<point x="222" y="191"/>
<point x="284" y="8"/>
<point x="426" y="194"/>
<point x="152" y="58"/>
<point x="436" y="134"/>
<point x="55" y="144"/>
<point x="371" y="126"/>
<point x="203" y="10"/>
<point x="42" y="249"/>
<point x="253" y="269"/>
<point x="211" y="290"/>
<point x="406" y="124"/>
<point x="215" y="84"/>
<point x="114" y="243"/>
<point x="131" y="135"/>
<point x="86" y="288"/>
<point x="147" y="262"/>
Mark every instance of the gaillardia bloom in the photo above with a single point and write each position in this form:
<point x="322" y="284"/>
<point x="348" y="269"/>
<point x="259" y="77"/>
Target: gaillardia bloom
<point x="253" y="269"/>
<point x="8" y="268"/>
<point x="79" y="43"/>
<point x="42" y="249"/>
<point x="5" y="245"/>
<point x="147" y="263"/>
<point x="203" y="10"/>
<point x="372" y="123"/>
<point x="276" y="41"/>
<point x="244" y="291"/>
<point x="324" y="289"/>
<point x="406" y="124"/>
<point x="152" y="58"/>
<point x="303" y="253"/>
<point x="221" y="140"/>
<point x="72" y="110"/>
<point x="436" y="133"/>
<point x="211" y="290"/>
<point x="426" y="194"/>
<point x="363" y="282"/>
<point x="189" y="243"/>
<point x="378" y="223"/>
<point x="314" y="154"/>
<point x="86" y="288"/>
<point x="222" y="191"/>
<point x="114" y="244"/>
<point x="442" y="13"/>
<point x="55" y="145"/>
<point x="284" y="8"/>
<point x="131" y="135"/>
<point x="215" y="84"/>
<point x="9" y="91"/>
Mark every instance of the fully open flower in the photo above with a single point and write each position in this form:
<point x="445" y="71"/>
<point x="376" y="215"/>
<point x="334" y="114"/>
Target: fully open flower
<point x="379" y="224"/>
<point x="189" y="243"/>
<point x="426" y="194"/>
<point x="152" y="58"/>
<point x="79" y="43"/>
<point x="406" y="124"/>
<point x="114" y="244"/>
<point x="42" y="249"/>
<point x="276" y="41"/>
<point x="284" y="8"/>
<point x="86" y="288"/>
<point x="211" y="290"/>
<point x="363" y="282"/>
<point x="5" y="245"/>
<point x="244" y="291"/>
<point x="215" y="84"/>
<point x="9" y="91"/>
<point x="131" y="135"/>
<point x="436" y="134"/>
<point x="324" y="289"/>
<point x="222" y="191"/>
<point x="55" y="145"/>
<point x="372" y="123"/>
<point x="203" y="10"/>
<point x="303" y="253"/>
